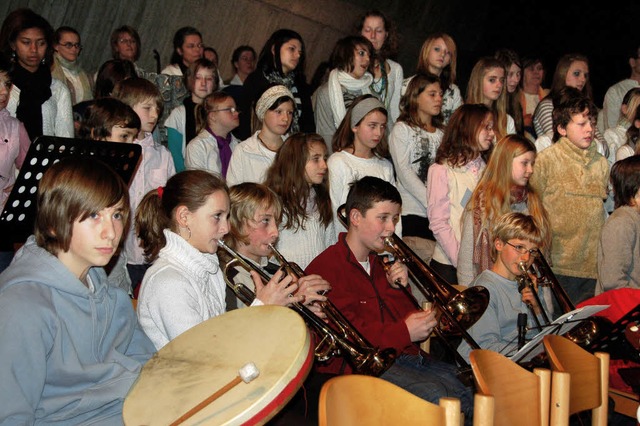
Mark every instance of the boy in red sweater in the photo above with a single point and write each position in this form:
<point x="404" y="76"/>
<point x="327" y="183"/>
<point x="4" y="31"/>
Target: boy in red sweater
<point x="362" y="292"/>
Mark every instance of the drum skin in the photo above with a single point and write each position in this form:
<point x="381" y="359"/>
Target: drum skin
<point x="205" y="358"/>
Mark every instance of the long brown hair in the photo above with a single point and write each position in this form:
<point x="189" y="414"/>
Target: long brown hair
<point x="155" y="213"/>
<point x="344" y="137"/>
<point x="409" y="102"/>
<point x="286" y="177"/>
<point x="475" y="94"/>
<point x="492" y="195"/>
<point x="460" y="140"/>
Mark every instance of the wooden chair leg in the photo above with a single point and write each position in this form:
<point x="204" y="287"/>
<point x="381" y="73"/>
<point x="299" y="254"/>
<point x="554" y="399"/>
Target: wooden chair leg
<point x="599" y="414"/>
<point x="452" y="412"/>
<point x="483" y="410"/>
<point x="561" y="383"/>
<point x="545" y="393"/>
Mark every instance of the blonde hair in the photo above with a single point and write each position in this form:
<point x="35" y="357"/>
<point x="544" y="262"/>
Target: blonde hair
<point x="492" y="195"/>
<point x="448" y="75"/>
<point x="516" y="225"/>
<point x="246" y="199"/>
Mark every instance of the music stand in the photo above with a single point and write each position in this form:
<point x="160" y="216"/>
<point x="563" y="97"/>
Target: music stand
<point x="560" y="325"/>
<point x="18" y="217"/>
<point x="615" y="342"/>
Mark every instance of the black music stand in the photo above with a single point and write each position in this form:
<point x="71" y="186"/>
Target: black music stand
<point x="17" y="219"/>
<point x="614" y="342"/>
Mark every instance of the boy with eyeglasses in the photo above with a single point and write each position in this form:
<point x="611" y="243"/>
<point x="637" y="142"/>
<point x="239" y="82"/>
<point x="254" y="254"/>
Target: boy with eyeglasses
<point x="516" y="238"/>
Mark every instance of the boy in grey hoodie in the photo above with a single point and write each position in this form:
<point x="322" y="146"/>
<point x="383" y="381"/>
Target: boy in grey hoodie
<point x="70" y="344"/>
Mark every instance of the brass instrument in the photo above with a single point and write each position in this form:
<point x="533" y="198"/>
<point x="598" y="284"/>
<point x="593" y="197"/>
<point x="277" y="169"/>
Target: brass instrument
<point x="338" y="338"/>
<point x="525" y="281"/>
<point x="460" y="310"/>
<point x="584" y="333"/>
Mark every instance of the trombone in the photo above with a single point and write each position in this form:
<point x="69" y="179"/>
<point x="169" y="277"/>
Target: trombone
<point x="338" y="338"/>
<point x="460" y="310"/>
<point x="588" y="329"/>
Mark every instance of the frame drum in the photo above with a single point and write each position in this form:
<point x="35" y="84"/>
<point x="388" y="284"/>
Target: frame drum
<point x="205" y="358"/>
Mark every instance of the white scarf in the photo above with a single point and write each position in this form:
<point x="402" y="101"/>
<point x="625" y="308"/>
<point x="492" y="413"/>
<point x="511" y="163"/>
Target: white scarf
<point x="339" y="79"/>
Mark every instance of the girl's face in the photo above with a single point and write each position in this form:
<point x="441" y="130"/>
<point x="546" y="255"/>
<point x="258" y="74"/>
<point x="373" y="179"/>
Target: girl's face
<point x="315" y="170"/>
<point x="486" y="135"/>
<point x="69" y="46"/>
<point x="577" y="75"/>
<point x="430" y="100"/>
<point x="492" y="84"/>
<point x="5" y="89"/>
<point x="279" y="120"/>
<point x="290" y="54"/>
<point x="533" y="74"/>
<point x="361" y="61"/>
<point x="373" y="29"/>
<point x="30" y="47"/>
<point x="203" y="83"/>
<point x="439" y="56"/>
<point x="191" y="49"/>
<point x="224" y="115"/>
<point x="522" y="168"/>
<point x="513" y="78"/>
<point x="127" y="47"/>
<point x="209" y="223"/>
<point x="261" y="231"/>
<point x="370" y="131"/>
<point x="246" y="63"/>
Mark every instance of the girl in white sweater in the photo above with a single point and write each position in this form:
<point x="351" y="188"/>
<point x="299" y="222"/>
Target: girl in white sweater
<point x="179" y="226"/>
<point x="299" y="175"/>
<point x="359" y="149"/>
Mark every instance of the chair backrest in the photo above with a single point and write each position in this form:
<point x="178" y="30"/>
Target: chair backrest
<point x="589" y="381"/>
<point x="520" y="397"/>
<point x="355" y="400"/>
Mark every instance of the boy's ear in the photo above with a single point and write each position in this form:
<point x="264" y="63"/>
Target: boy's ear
<point x="499" y="244"/>
<point x="354" y="217"/>
<point x="562" y="131"/>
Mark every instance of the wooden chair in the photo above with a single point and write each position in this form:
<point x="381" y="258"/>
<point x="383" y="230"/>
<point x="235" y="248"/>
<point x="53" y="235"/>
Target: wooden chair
<point x="589" y="377"/>
<point x="519" y="396"/>
<point x="356" y="400"/>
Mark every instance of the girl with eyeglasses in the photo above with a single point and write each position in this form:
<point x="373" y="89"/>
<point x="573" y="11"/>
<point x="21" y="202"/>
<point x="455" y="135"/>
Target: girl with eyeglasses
<point x="504" y="187"/>
<point x="41" y="102"/>
<point x="66" y="68"/>
<point x="211" y="149"/>
<point x="349" y="79"/>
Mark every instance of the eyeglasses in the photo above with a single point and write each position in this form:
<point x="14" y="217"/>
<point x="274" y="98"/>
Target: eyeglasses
<point x="70" y="45"/>
<point x="523" y="250"/>
<point x="232" y="110"/>
<point x="128" y="41"/>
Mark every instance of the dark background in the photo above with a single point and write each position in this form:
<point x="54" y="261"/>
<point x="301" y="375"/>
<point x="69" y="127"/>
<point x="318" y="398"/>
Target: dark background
<point x="602" y="30"/>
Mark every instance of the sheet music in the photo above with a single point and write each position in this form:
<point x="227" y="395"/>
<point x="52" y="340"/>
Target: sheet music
<point x="561" y="325"/>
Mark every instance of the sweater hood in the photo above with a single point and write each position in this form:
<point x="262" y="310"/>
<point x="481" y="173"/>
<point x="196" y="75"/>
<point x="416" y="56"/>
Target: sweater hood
<point x="51" y="272"/>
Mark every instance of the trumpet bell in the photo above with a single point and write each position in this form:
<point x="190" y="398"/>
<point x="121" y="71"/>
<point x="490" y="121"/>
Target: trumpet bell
<point x="467" y="307"/>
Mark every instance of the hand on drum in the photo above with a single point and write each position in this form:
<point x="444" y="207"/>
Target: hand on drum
<point x="313" y="287"/>
<point x="420" y="324"/>
<point x="397" y="274"/>
<point x="278" y="291"/>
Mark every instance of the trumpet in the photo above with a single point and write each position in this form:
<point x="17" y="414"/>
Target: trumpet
<point x="338" y="338"/>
